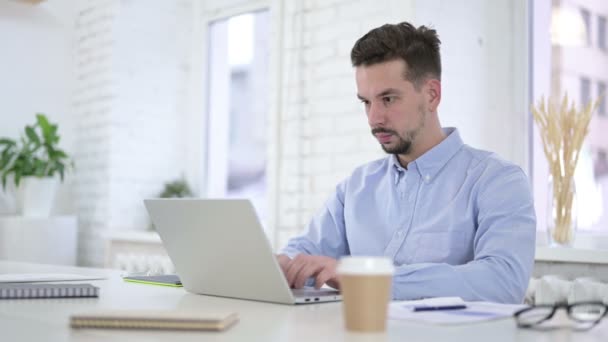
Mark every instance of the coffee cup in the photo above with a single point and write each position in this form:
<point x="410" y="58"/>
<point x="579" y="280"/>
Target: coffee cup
<point x="365" y="283"/>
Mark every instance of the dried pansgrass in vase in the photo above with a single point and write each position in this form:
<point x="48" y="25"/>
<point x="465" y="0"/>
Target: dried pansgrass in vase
<point x="563" y="130"/>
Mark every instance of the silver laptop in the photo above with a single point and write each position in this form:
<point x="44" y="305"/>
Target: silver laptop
<point x="219" y="248"/>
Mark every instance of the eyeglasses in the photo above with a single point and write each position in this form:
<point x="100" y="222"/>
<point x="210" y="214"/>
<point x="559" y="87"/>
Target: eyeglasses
<point x="585" y="315"/>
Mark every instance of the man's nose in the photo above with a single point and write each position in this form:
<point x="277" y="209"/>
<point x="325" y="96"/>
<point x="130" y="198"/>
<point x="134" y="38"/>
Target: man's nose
<point x="375" y="114"/>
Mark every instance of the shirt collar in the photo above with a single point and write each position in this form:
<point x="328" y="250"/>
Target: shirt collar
<point x="429" y="164"/>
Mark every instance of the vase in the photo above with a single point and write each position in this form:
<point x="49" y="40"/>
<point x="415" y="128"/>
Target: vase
<point x="561" y="212"/>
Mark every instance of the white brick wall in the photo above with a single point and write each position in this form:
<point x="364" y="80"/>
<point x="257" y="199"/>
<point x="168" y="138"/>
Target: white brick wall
<point x="131" y="66"/>
<point x="94" y="97"/>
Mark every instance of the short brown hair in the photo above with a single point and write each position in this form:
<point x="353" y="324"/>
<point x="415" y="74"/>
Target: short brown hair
<point x="418" y="47"/>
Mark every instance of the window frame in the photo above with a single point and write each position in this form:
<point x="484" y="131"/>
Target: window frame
<point x="602" y="44"/>
<point x="197" y="127"/>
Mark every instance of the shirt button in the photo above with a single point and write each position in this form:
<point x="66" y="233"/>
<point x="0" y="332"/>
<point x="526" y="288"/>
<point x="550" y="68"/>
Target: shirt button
<point x="427" y="178"/>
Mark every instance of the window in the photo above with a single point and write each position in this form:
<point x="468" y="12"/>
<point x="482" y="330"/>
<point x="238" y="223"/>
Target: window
<point x="560" y="66"/>
<point x="601" y="33"/>
<point x="585" y="91"/>
<point x="587" y="20"/>
<point x="237" y="108"/>
<point x="601" y="93"/>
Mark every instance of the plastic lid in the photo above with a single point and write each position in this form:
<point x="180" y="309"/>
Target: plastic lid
<point x="361" y="265"/>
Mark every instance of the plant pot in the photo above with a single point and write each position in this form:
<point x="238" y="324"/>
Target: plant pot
<point x="36" y="196"/>
<point x="7" y="199"/>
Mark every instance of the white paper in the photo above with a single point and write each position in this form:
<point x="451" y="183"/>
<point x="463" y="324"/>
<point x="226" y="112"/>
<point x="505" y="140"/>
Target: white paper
<point x="44" y="277"/>
<point x="473" y="313"/>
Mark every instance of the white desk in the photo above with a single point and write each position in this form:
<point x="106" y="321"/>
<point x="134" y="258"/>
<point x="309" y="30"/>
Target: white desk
<point x="47" y="319"/>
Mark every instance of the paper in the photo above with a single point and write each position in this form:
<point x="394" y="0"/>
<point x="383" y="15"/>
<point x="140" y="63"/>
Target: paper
<point x="44" y="277"/>
<point x="473" y="313"/>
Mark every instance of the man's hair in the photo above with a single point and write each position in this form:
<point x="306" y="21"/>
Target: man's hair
<point x="418" y="47"/>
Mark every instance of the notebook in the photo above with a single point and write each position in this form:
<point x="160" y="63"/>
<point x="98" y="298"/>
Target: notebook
<point x="44" y="277"/>
<point x="154" y="319"/>
<point x="162" y="279"/>
<point x="43" y="290"/>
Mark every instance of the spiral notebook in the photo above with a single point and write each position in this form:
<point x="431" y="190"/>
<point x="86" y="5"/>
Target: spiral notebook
<point x="44" y="290"/>
<point x="154" y="319"/>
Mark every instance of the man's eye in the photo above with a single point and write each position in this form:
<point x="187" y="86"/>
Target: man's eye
<point x="388" y="99"/>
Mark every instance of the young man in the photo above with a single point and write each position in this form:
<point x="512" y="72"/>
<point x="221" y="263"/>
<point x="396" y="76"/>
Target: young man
<point x="455" y="220"/>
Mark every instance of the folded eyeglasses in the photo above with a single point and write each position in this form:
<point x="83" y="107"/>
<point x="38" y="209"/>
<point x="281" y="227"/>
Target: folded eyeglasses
<point x="583" y="315"/>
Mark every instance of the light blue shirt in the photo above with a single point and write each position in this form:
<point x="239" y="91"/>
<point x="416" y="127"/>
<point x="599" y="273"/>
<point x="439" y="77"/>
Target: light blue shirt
<point x="457" y="222"/>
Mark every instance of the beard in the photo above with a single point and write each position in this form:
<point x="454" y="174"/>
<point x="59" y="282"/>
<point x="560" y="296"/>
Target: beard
<point x="404" y="145"/>
<point x="404" y="140"/>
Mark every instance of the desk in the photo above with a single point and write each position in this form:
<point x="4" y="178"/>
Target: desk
<point x="47" y="319"/>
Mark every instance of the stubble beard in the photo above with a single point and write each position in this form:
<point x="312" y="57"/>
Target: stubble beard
<point x="405" y="140"/>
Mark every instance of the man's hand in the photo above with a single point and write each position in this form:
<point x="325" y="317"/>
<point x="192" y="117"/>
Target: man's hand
<point x="284" y="261"/>
<point x="304" y="266"/>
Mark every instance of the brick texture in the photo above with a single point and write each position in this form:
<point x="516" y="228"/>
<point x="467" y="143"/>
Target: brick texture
<point x="130" y="70"/>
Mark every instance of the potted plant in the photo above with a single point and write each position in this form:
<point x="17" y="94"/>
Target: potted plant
<point x="34" y="164"/>
<point x="176" y="189"/>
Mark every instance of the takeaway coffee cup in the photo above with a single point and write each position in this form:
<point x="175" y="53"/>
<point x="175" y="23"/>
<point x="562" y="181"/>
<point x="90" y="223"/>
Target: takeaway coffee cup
<point x="365" y="283"/>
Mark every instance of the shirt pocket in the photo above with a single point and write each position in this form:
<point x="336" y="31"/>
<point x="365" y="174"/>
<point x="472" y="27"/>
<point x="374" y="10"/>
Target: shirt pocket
<point x="439" y="247"/>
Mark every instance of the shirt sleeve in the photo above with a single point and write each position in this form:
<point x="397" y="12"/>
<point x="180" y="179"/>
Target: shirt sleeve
<point x="325" y="235"/>
<point x="504" y="245"/>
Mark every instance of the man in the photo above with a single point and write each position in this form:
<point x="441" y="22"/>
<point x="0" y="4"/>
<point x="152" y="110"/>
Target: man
<point x="455" y="220"/>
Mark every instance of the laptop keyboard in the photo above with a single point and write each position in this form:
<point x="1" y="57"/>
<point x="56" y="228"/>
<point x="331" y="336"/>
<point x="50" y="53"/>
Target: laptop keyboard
<point x="311" y="291"/>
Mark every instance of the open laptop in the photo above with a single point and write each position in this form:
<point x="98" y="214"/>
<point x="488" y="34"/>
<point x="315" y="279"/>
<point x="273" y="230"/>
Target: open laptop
<point x="219" y="248"/>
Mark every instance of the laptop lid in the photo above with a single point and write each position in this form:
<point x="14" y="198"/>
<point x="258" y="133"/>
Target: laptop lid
<point x="219" y="248"/>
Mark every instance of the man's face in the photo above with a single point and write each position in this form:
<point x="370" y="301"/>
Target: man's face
<point x="395" y="110"/>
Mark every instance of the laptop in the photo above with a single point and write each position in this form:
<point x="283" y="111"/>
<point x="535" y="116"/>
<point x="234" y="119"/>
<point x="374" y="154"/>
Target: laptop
<point x="219" y="248"/>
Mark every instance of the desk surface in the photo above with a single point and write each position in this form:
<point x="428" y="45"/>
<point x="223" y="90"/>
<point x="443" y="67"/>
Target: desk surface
<point x="47" y="319"/>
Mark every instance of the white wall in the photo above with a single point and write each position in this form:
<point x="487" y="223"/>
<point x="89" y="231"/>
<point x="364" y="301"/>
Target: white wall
<point x="36" y="72"/>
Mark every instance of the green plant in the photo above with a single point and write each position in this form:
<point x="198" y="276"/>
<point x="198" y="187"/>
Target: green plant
<point x="35" y="154"/>
<point x="176" y="188"/>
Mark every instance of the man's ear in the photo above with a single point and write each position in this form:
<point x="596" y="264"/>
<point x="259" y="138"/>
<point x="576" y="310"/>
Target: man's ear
<point x="433" y="94"/>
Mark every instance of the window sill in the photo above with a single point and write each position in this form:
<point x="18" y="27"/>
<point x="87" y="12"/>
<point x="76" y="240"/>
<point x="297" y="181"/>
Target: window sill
<point x="137" y="236"/>
<point x="571" y="255"/>
<point x="588" y="248"/>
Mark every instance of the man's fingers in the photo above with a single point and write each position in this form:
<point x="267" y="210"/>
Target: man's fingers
<point x="334" y="282"/>
<point x="306" y="272"/>
<point x="302" y="267"/>
<point x="323" y="277"/>
<point x="294" y="267"/>
<point x="283" y="262"/>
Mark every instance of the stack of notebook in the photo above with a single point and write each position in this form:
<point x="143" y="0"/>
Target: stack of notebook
<point x="45" y="290"/>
